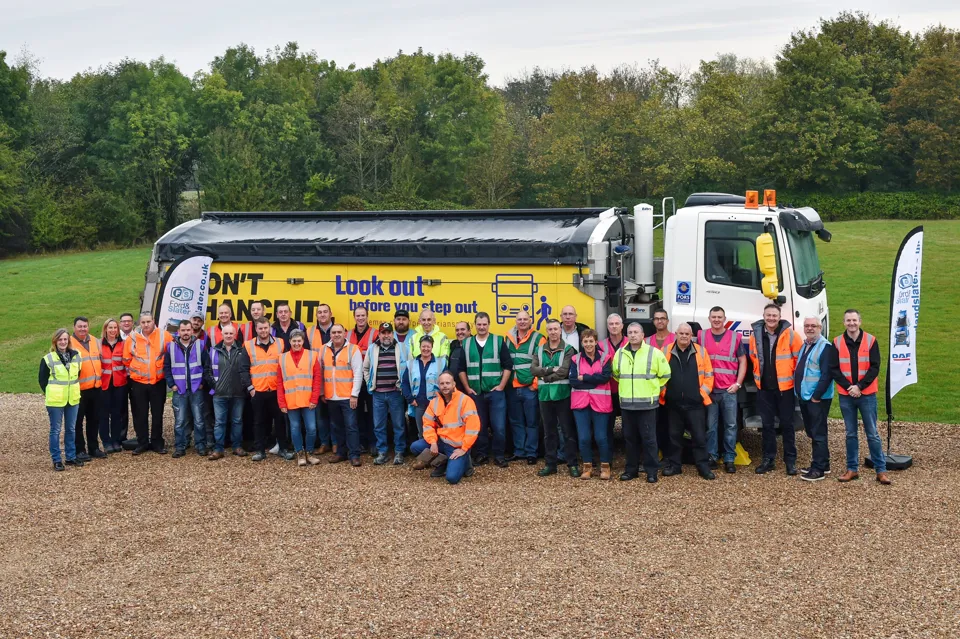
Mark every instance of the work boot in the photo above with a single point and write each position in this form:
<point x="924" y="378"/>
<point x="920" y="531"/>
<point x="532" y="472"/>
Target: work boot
<point x="884" y="479"/>
<point x="439" y="471"/>
<point x="423" y="459"/>
<point x="301" y="458"/>
<point x="574" y="470"/>
<point x="258" y="456"/>
<point x="547" y="470"/>
<point x="791" y="468"/>
<point x="729" y="467"/>
<point x="850" y="475"/>
<point x="604" y="471"/>
<point x="323" y="450"/>
<point x="178" y="453"/>
<point x="765" y="466"/>
<point x="586" y="472"/>
<point x="398" y="459"/>
<point x="239" y="452"/>
<point x="215" y="455"/>
<point x="380" y="459"/>
<point x="313" y="461"/>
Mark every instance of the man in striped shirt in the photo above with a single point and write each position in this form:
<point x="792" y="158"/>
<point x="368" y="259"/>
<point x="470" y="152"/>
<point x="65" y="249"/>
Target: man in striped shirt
<point x="381" y="373"/>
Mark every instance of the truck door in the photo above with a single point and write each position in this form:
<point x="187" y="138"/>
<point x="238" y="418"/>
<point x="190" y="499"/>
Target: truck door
<point x="727" y="270"/>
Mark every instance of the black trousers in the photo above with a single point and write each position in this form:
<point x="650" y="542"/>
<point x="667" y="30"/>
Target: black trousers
<point x="365" y="419"/>
<point x="125" y="415"/>
<point x="558" y="415"/>
<point x="815" y="424"/>
<point x="695" y="421"/>
<point x="771" y="404"/>
<point x="147" y="402"/>
<point x="663" y="432"/>
<point x="113" y="405"/>
<point x="613" y="420"/>
<point x="640" y="435"/>
<point x="88" y="419"/>
<point x="268" y="420"/>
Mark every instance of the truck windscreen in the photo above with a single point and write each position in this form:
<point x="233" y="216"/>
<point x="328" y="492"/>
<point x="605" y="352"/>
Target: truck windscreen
<point x="806" y="262"/>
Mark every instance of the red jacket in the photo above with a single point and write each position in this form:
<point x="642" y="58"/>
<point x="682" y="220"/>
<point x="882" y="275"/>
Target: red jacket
<point x="113" y="372"/>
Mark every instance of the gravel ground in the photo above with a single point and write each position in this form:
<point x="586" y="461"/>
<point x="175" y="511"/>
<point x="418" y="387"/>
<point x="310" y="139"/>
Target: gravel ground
<point x="157" y="547"/>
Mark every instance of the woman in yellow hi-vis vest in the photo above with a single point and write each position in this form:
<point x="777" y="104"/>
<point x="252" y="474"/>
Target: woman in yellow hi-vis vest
<point x="60" y="383"/>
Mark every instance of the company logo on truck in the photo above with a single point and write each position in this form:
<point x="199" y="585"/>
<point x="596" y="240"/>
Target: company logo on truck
<point x="514" y="293"/>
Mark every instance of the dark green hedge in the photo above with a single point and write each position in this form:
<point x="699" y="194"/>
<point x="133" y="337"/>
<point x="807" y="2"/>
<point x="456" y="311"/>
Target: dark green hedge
<point x="903" y="205"/>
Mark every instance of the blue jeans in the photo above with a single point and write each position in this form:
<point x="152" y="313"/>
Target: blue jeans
<point x="346" y="433"/>
<point x="389" y="404"/>
<point x="592" y="425"/>
<point x="185" y="407"/>
<point x="867" y="405"/>
<point x="306" y="418"/>
<point x="524" y="409"/>
<point x="225" y="408"/>
<point x="65" y="416"/>
<point x="455" y="467"/>
<point x="492" y="410"/>
<point x="322" y="417"/>
<point x="724" y="405"/>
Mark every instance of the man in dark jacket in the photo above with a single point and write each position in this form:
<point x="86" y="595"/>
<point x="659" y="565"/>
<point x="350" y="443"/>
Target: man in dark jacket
<point x="685" y="396"/>
<point x="462" y="330"/>
<point x="227" y="372"/>
<point x="571" y="328"/>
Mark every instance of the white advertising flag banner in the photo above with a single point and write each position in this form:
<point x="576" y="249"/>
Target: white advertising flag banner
<point x="184" y="291"/>
<point x="905" y="312"/>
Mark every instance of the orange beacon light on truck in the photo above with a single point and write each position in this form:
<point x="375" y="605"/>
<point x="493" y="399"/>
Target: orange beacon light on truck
<point x="753" y="200"/>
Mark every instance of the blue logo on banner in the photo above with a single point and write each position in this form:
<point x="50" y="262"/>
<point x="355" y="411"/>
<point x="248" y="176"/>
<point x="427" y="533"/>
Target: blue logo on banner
<point x="683" y="292"/>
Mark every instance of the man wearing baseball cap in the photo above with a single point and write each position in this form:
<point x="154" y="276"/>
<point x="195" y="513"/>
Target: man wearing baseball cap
<point x="381" y="373"/>
<point x="401" y="325"/>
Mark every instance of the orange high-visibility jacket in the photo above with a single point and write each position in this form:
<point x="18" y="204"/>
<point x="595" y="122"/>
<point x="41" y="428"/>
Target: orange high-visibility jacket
<point x="787" y="352"/>
<point x="338" y="372"/>
<point x="298" y="380"/>
<point x="90" y="368"/>
<point x="457" y="422"/>
<point x="143" y="356"/>
<point x="263" y="365"/>
<point x="704" y="371"/>
<point x="863" y="362"/>
<point x="113" y="372"/>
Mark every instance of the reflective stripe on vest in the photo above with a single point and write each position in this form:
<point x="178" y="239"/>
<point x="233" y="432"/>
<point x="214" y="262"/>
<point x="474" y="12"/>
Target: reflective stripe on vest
<point x="628" y="390"/>
<point x="723" y="356"/>
<point x="863" y="362"/>
<point x="90" y="370"/>
<point x="483" y="374"/>
<point x="179" y="365"/>
<point x="145" y="362"/>
<point x="63" y="385"/>
<point x="297" y="379"/>
<point x="811" y="371"/>
<point x="600" y="399"/>
<point x="338" y="371"/>
<point x="263" y="367"/>
<point x="112" y="370"/>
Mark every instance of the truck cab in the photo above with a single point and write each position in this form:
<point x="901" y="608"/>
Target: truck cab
<point x="714" y="256"/>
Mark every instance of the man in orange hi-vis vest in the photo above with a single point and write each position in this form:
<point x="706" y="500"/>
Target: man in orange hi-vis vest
<point x="143" y="356"/>
<point x="341" y="370"/>
<point x="450" y="427"/>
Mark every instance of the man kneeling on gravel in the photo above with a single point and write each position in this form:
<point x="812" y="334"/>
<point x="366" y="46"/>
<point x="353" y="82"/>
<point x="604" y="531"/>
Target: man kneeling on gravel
<point x="450" y="428"/>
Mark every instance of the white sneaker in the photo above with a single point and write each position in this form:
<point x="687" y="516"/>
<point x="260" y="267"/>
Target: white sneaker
<point x="275" y="450"/>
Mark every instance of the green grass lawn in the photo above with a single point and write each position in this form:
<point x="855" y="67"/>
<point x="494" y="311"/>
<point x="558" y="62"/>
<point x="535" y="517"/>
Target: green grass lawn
<point x="47" y="292"/>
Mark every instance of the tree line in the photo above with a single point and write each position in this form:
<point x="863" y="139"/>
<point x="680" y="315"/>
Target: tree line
<point x="119" y="154"/>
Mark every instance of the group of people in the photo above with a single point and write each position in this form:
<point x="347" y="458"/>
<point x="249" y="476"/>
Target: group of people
<point x="307" y="392"/>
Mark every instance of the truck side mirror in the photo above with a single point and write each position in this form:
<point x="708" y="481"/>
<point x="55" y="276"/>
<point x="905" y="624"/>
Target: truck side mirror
<point x="767" y="261"/>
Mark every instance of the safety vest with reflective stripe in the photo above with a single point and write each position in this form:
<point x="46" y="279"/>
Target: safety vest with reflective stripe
<point x="811" y="371"/>
<point x="363" y="343"/>
<point x="607" y="346"/>
<point x="641" y="375"/>
<point x="560" y="389"/>
<point x="863" y="362"/>
<point x="483" y="375"/>
<point x="704" y="372"/>
<point x="63" y="386"/>
<point x="441" y="344"/>
<point x="432" y="372"/>
<point x="456" y="423"/>
<point x="652" y="341"/>
<point x="263" y="365"/>
<point x="338" y="371"/>
<point x="786" y="353"/>
<point x="90" y="368"/>
<point x="600" y="399"/>
<point x="112" y="370"/>
<point x="297" y="379"/>
<point x="723" y="356"/>
<point x="522" y="351"/>
<point x="179" y="363"/>
<point x="143" y="356"/>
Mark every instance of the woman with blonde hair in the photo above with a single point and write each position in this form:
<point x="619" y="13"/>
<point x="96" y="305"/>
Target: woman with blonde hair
<point x="60" y="382"/>
<point x="113" y="387"/>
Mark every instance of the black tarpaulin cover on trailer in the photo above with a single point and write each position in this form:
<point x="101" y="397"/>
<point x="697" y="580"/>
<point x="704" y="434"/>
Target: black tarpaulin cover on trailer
<point x="537" y="236"/>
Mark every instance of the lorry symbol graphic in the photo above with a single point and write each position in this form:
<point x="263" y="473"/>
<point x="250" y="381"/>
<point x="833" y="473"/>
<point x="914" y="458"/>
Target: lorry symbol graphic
<point x="514" y="293"/>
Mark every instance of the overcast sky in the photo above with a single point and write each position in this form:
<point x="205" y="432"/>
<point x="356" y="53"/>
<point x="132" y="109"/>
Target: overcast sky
<point x="68" y="36"/>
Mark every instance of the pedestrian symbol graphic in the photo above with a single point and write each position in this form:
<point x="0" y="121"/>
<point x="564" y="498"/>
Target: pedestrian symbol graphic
<point x="544" y="313"/>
